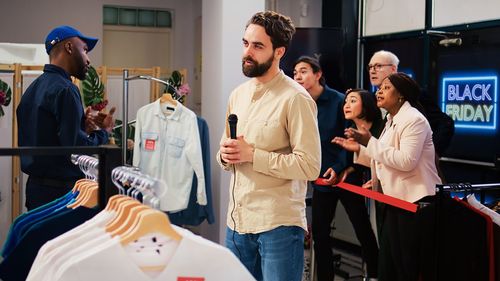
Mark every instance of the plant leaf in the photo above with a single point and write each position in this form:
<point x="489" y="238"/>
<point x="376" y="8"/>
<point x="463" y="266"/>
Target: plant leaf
<point x="92" y="88"/>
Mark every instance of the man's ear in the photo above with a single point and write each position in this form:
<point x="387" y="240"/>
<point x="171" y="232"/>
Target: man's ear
<point x="279" y="52"/>
<point x="394" y="68"/>
<point x="68" y="47"/>
<point x="318" y="74"/>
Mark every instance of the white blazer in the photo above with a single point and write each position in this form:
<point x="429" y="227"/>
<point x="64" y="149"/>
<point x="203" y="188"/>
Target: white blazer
<point x="402" y="160"/>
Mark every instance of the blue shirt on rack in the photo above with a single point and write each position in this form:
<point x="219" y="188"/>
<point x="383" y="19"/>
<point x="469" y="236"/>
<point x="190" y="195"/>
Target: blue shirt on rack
<point x="17" y="265"/>
<point x="25" y="220"/>
<point x="51" y="114"/>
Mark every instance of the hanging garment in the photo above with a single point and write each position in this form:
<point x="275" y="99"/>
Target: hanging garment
<point x="496" y="242"/>
<point x="52" y="251"/>
<point x="489" y="238"/>
<point x="192" y="260"/>
<point x="88" y="252"/>
<point x="195" y="213"/>
<point x="168" y="147"/>
<point x="454" y="247"/>
<point x="24" y="221"/>
<point x="471" y="199"/>
<point x="17" y="265"/>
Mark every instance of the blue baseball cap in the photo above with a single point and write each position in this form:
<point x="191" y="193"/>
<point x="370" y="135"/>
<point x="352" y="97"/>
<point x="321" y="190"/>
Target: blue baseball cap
<point x="62" y="32"/>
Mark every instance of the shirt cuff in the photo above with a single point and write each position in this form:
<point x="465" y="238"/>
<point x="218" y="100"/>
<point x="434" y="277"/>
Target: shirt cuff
<point x="201" y="194"/>
<point x="225" y="166"/>
<point x="261" y="161"/>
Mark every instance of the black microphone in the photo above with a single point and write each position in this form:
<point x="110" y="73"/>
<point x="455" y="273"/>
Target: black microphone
<point x="232" y="119"/>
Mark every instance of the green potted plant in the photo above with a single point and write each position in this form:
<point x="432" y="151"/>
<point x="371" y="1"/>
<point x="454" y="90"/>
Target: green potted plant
<point x="182" y="90"/>
<point x="5" y="96"/>
<point x="93" y="91"/>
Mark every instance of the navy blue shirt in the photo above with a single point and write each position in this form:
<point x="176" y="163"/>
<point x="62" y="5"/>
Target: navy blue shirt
<point x="51" y="114"/>
<point x="17" y="265"/>
<point x="331" y="123"/>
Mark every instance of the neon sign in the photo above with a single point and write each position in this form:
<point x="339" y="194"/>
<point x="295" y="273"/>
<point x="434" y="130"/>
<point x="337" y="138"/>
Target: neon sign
<point x="471" y="101"/>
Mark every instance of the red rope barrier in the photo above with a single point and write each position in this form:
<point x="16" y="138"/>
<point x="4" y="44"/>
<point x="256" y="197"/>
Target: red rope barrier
<point x="393" y="201"/>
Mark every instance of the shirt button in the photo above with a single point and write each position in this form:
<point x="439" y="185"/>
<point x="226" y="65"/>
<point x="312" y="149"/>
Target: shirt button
<point x="239" y="205"/>
<point x="253" y="101"/>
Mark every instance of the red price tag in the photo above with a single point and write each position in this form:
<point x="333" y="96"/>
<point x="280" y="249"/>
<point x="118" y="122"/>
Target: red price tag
<point x="150" y="144"/>
<point x="190" y="278"/>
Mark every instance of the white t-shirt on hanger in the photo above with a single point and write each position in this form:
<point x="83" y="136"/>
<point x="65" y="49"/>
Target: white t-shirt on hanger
<point x="191" y="259"/>
<point x="50" y="253"/>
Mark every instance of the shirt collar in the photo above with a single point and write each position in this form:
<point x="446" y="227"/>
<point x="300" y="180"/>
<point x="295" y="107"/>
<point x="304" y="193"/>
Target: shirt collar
<point x="394" y="119"/>
<point x="56" y="69"/>
<point x="176" y="115"/>
<point x="323" y="97"/>
<point x="269" y="84"/>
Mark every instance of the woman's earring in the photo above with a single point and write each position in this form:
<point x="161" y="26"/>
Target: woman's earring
<point x="400" y="100"/>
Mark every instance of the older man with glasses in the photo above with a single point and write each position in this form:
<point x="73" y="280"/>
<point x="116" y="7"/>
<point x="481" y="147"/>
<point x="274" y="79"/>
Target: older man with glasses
<point x="381" y="65"/>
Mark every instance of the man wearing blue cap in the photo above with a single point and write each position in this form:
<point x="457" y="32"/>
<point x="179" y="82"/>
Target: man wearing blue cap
<point x="51" y="114"/>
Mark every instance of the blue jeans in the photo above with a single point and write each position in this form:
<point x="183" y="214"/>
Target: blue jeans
<point x="274" y="255"/>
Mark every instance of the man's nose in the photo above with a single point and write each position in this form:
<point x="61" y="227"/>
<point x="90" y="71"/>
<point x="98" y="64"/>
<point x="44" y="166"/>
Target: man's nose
<point x="246" y="51"/>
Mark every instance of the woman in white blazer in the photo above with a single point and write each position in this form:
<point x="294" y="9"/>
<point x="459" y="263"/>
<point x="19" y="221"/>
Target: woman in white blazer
<point x="403" y="166"/>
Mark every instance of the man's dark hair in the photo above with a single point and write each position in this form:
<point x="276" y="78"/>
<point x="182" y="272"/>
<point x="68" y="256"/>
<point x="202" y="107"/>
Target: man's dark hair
<point x="279" y="27"/>
<point x="314" y="63"/>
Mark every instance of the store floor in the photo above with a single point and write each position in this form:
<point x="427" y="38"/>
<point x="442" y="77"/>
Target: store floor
<point x="348" y="264"/>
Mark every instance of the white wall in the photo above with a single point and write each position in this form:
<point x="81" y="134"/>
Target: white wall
<point x="451" y="12"/>
<point x="304" y="13"/>
<point x="390" y="16"/>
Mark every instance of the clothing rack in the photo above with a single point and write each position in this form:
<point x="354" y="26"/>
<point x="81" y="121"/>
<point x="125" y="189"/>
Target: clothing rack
<point x="151" y="188"/>
<point x="109" y="158"/>
<point x="88" y="165"/>
<point x="467" y="187"/>
<point x="454" y="187"/>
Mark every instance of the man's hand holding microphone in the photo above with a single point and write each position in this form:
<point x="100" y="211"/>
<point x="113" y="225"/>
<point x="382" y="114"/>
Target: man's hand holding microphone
<point x="235" y="149"/>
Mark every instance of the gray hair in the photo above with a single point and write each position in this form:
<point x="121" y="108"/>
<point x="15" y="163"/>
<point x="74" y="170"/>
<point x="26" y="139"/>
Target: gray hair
<point x="393" y="59"/>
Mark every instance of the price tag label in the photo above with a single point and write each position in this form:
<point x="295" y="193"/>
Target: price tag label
<point x="150" y="144"/>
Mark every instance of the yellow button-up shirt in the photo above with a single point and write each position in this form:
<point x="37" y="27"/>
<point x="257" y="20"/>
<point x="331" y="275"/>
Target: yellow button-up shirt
<point x="279" y="119"/>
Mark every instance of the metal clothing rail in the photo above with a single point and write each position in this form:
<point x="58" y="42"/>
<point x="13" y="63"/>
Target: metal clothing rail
<point x="152" y="189"/>
<point x="89" y="165"/>
<point x="109" y="158"/>
<point x="467" y="187"/>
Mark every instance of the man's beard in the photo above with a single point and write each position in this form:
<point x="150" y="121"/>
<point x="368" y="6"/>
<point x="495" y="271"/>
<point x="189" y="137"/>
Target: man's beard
<point x="257" y="69"/>
<point x="82" y="74"/>
<point x="82" y="69"/>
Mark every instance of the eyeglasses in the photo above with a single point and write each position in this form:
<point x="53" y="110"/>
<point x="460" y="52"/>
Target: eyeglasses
<point x="377" y="66"/>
